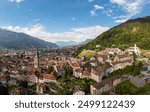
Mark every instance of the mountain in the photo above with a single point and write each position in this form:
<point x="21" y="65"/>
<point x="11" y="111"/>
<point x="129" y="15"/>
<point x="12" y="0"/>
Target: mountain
<point x="135" y="31"/>
<point x="71" y="43"/>
<point x="65" y="44"/>
<point x="85" y="42"/>
<point x="13" y="40"/>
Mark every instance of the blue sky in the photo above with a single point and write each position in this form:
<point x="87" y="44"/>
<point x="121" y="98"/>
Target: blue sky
<point x="65" y="20"/>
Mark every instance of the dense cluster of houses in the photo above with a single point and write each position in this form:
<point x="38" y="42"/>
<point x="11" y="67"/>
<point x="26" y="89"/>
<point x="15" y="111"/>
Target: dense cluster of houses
<point x="101" y="65"/>
<point x="29" y="67"/>
<point x="32" y="67"/>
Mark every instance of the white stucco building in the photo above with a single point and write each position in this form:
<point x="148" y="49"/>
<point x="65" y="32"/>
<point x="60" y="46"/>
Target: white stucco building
<point x="134" y="49"/>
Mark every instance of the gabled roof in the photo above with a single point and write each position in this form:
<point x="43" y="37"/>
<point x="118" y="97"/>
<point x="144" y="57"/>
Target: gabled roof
<point x="103" y="55"/>
<point x="97" y="70"/>
<point x="75" y="64"/>
<point x="106" y="81"/>
<point x="49" y="76"/>
<point x="123" y="56"/>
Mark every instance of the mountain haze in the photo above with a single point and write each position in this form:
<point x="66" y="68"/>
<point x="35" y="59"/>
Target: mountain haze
<point x="71" y="43"/>
<point x="13" y="40"/>
<point x="85" y="42"/>
<point x="65" y="44"/>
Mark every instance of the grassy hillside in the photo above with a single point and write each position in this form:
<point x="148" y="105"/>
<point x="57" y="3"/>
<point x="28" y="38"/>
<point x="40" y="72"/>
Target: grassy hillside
<point x="132" y="32"/>
<point x="87" y="54"/>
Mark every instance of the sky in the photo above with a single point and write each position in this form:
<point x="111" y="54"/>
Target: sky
<point x="68" y="20"/>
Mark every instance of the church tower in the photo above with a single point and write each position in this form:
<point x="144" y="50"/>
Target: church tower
<point x="36" y="59"/>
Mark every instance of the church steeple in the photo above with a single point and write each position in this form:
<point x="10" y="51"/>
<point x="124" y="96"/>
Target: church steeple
<point x="36" y="59"/>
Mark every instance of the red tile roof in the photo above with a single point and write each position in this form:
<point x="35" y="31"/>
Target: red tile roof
<point x="49" y="76"/>
<point x="41" y="85"/>
<point x="76" y="65"/>
<point x="86" y="73"/>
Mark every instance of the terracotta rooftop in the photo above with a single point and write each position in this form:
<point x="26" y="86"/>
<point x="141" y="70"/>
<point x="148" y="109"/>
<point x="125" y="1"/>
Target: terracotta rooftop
<point x="49" y="76"/>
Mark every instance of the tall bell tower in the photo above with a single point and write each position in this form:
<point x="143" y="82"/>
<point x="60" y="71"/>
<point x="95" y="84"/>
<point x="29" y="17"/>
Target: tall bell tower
<point x="36" y="59"/>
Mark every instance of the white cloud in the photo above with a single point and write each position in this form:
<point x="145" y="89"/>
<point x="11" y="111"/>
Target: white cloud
<point x="76" y="34"/>
<point x="93" y="13"/>
<point x="120" y="20"/>
<point x="119" y="2"/>
<point x="131" y="8"/>
<point x="91" y="0"/>
<point x="96" y="7"/>
<point x="119" y="17"/>
<point x="17" y="1"/>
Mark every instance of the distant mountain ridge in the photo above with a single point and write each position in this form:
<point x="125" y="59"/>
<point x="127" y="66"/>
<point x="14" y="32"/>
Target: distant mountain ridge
<point x="134" y="31"/>
<point x="85" y="42"/>
<point x="71" y="43"/>
<point x="65" y="44"/>
<point x="14" y="40"/>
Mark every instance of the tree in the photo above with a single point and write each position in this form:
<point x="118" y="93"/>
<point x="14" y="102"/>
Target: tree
<point x="23" y="84"/>
<point x="3" y="90"/>
<point x="50" y="70"/>
<point x="134" y="56"/>
<point x="137" y="68"/>
<point x="126" y="88"/>
<point x="136" y="71"/>
<point x="105" y="93"/>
